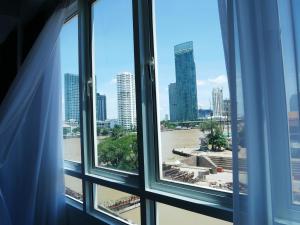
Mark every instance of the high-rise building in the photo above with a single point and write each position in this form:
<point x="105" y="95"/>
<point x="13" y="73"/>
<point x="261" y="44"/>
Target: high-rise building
<point x="100" y="107"/>
<point x="204" y="113"/>
<point x="172" y="102"/>
<point x="217" y="100"/>
<point x="126" y="100"/>
<point x="71" y="93"/>
<point x="226" y="108"/>
<point x="186" y="88"/>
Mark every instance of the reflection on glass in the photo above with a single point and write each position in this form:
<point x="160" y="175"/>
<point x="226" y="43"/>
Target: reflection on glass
<point x="70" y="90"/>
<point x="73" y="187"/>
<point x="194" y="102"/>
<point x="241" y="142"/>
<point x="119" y="204"/>
<point x="290" y="26"/>
<point x="167" y="215"/>
<point x="115" y="101"/>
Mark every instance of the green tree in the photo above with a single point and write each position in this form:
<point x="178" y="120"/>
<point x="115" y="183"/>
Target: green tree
<point x="119" y="151"/>
<point x="208" y="125"/>
<point x="105" y="131"/>
<point x="117" y="132"/>
<point x="217" y="140"/>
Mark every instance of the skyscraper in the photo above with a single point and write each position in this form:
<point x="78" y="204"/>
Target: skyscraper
<point x="186" y="88"/>
<point x="100" y="107"/>
<point x="71" y="83"/>
<point x="226" y="108"/>
<point x="217" y="99"/>
<point x="172" y="102"/>
<point x="126" y="100"/>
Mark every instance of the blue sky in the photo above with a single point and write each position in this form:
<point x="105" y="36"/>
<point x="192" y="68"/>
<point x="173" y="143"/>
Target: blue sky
<point x="177" y="21"/>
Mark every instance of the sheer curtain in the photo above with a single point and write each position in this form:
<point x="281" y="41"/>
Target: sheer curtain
<point x="261" y="45"/>
<point x="31" y="166"/>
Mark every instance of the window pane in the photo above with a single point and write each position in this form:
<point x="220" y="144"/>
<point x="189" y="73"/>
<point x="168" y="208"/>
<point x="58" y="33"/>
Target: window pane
<point x="194" y="101"/>
<point x="290" y="28"/>
<point x="167" y="215"/>
<point x="73" y="187"/>
<point x="119" y="204"/>
<point x="70" y="90"/>
<point x="115" y="106"/>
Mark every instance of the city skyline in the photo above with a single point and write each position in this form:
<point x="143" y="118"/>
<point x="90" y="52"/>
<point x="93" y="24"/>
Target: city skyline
<point x="116" y="40"/>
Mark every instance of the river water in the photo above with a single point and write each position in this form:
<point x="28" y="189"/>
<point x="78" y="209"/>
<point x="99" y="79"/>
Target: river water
<point x="169" y="140"/>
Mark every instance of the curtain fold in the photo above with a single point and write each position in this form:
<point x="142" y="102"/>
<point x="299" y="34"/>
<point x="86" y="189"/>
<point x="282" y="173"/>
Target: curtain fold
<point x="261" y="47"/>
<point x="31" y="164"/>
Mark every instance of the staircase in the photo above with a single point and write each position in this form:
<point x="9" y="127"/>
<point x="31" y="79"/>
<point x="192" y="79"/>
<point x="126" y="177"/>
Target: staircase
<point x="226" y="162"/>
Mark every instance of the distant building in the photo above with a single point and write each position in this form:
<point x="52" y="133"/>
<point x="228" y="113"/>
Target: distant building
<point x="217" y="100"/>
<point x="126" y="100"/>
<point x="226" y="108"/>
<point x="204" y="113"/>
<point x="172" y="102"/>
<point x="101" y="107"/>
<point x="184" y="91"/>
<point x="107" y="123"/>
<point x="71" y="97"/>
<point x="166" y="117"/>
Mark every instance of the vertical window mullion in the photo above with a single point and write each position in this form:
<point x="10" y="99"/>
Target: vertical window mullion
<point x="85" y="73"/>
<point x="141" y="25"/>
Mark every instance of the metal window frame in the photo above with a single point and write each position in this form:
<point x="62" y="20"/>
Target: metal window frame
<point x="146" y="184"/>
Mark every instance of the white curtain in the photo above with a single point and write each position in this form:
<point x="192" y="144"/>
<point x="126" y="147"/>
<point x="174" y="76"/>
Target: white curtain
<point x="31" y="165"/>
<point x="261" y="43"/>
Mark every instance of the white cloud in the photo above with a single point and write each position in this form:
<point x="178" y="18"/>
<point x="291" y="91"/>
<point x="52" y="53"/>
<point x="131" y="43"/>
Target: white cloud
<point x="201" y="82"/>
<point x="219" y="80"/>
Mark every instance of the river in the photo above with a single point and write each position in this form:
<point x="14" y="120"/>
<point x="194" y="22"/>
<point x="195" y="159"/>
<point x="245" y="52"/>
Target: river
<point x="169" y="141"/>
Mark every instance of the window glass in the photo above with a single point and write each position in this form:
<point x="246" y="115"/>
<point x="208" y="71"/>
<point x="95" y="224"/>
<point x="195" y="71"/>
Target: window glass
<point x="167" y="215"/>
<point x="194" y="102"/>
<point x="115" y="96"/>
<point x="119" y="204"/>
<point x="70" y="90"/>
<point x="73" y="187"/>
<point x="290" y="28"/>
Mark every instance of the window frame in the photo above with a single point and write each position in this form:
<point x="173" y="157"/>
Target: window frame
<point x="147" y="184"/>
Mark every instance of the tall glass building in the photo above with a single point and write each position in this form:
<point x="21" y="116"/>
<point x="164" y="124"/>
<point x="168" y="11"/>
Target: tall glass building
<point x="71" y="83"/>
<point x="173" y="102"/>
<point x="100" y="107"/>
<point x="186" y="88"/>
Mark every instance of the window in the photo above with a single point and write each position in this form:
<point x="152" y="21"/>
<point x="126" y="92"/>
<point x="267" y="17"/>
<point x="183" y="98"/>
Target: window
<point x="117" y="203"/>
<point x="70" y="87"/>
<point x="124" y="175"/>
<point x="73" y="188"/>
<point x="194" y="103"/>
<point x="180" y="216"/>
<point x="115" y="95"/>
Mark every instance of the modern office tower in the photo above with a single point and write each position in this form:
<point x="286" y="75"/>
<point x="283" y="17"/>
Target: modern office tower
<point x="226" y="108"/>
<point x="172" y="102"/>
<point x="71" y="92"/>
<point x="186" y="88"/>
<point x="126" y="100"/>
<point x="217" y="99"/>
<point x="101" y="107"/>
<point x="204" y="113"/>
